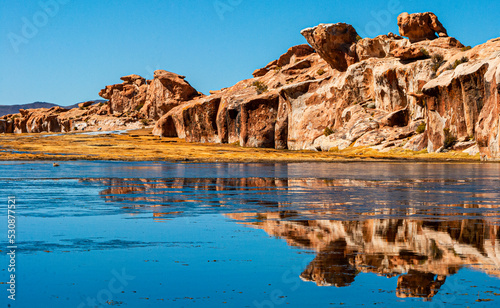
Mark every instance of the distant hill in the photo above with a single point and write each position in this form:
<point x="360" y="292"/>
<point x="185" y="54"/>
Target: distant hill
<point x="10" y="109"/>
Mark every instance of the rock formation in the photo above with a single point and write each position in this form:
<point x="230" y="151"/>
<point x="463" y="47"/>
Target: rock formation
<point x="88" y="117"/>
<point x="150" y="98"/>
<point x="335" y="43"/>
<point x="418" y="93"/>
<point x="360" y="92"/>
<point x="420" y="26"/>
<point x="382" y="238"/>
<point x="36" y="121"/>
<point x="132" y="104"/>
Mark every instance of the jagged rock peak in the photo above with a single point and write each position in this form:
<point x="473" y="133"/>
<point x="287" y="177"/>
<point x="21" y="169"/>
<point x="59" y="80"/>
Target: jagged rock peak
<point x="291" y="56"/>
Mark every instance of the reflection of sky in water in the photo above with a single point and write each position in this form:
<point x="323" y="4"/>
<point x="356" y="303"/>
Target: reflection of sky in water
<point x="255" y="234"/>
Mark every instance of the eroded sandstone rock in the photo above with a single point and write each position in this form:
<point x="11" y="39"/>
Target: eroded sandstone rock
<point x="152" y="98"/>
<point x="462" y="104"/>
<point x="420" y="26"/>
<point x="351" y="92"/>
<point x="408" y="53"/>
<point x="258" y="121"/>
<point x="376" y="103"/>
<point x="379" y="47"/>
<point x="293" y="55"/>
<point x="333" y="43"/>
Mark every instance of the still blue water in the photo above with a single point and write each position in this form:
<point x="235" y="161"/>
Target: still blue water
<point x="149" y="234"/>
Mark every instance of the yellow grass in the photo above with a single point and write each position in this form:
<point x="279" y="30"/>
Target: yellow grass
<point x="140" y="145"/>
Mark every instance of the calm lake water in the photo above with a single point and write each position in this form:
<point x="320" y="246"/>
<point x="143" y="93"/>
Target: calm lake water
<point x="252" y="235"/>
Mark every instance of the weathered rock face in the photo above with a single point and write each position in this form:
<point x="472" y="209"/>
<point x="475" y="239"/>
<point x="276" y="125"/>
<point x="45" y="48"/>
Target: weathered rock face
<point x="194" y="121"/>
<point x="151" y="98"/>
<point x="333" y="42"/>
<point x="420" y="26"/>
<point x="40" y="120"/>
<point x="379" y="47"/>
<point x="463" y="103"/>
<point x="488" y="124"/>
<point x="6" y="126"/>
<point x="36" y="121"/>
<point x="87" y="117"/>
<point x="246" y="113"/>
<point x="258" y="121"/>
<point x="384" y="93"/>
<point x="126" y="96"/>
<point x="408" y="53"/>
<point x="380" y="101"/>
<point x="291" y="56"/>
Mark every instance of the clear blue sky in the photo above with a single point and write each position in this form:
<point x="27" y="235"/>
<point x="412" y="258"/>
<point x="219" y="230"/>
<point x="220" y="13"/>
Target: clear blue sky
<point x="67" y="55"/>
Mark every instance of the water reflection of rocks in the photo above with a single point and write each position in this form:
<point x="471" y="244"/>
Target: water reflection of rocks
<point x="345" y="199"/>
<point x="423" y="253"/>
<point x="422" y="231"/>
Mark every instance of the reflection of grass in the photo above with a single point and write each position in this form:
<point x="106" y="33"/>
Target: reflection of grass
<point x="141" y="145"/>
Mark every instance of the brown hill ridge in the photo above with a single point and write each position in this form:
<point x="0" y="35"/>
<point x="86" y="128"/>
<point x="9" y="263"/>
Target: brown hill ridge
<point x="425" y="92"/>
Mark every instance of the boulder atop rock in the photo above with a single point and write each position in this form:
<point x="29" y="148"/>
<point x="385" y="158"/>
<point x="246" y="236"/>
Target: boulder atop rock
<point x="378" y="47"/>
<point x="420" y="26"/>
<point x="333" y="43"/>
<point x="408" y="53"/>
<point x="180" y="88"/>
<point x="442" y="42"/>
<point x="163" y="74"/>
<point x="133" y="79"/>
